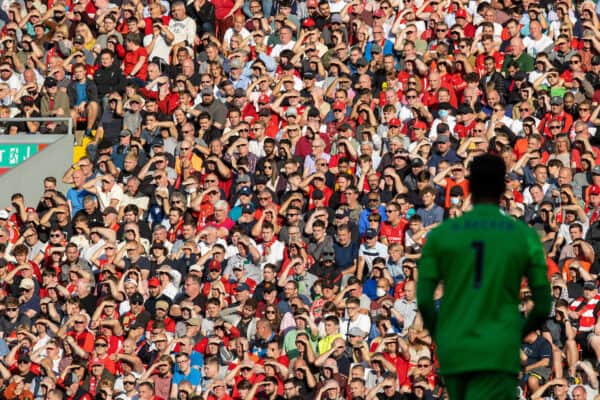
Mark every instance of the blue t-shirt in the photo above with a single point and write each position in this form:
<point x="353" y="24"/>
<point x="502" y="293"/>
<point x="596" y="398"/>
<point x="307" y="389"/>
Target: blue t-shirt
<point x="345" y="256"/>
<point x="81" y="89"/>
<point x="193" y="377"/>
<point x="75" y="197"/>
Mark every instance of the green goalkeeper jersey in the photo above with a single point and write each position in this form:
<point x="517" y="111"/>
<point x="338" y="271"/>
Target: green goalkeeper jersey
<point x="481" y="258"/>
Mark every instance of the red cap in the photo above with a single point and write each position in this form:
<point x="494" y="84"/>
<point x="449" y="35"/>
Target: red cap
<point x="394" y="122"/>
<point x="312" y="3"/>
<point x="420" y="125"/>
<point x="263" y="98"/>
<point x="309" y="23"/>
<point x="96" y="361"/>
<point x="153" y="282"/>
<point x="594" y="189"/>
<point x="460" y="13"/>
<point x="339" y="105"/>
<point x="379" y="13"/>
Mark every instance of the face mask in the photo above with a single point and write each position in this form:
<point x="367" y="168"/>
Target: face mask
<point x="380" y="292"/>
<point x="454" y="200"/>
<point x="443" y="113"/>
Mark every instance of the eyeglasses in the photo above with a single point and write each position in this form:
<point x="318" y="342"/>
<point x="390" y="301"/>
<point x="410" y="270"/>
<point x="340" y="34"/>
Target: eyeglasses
<point x="373" y="220"/>
<point x="524" y="109"/>
<point x="554" y="127"/>
<point x="128" y="382"/>
<point x="210" y="180"/>
<point x="185" y="148"/>
<point x="584" y="109"/>
<point x="55" y="235"/>
<point x="411" y="97"/>
<point x="441" y="30"/>
<point x="100" y="344"/>
<point x="574" y="62"/>
<point x="423" y="365"/>
<point x="269" y="312"/>
<point x="12" y="309"/>
<point x="79" y="322"/>
<point x="263" y="198"/>
<point x="390" y="211"/>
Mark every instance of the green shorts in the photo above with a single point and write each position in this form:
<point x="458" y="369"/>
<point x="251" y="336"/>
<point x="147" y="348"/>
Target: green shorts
<point x="482" y="385"/>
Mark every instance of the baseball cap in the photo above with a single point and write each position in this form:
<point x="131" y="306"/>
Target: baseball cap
<point x="394" y="122"/>
<point x="342" y="213"/>
<point x="269" y="287"/>
<point x="464" y="109"/>
<point x="356" y="331"/>
<point x="50" y="82"/>
<point x="26" y="283"/>
<point x="595" y="171"/>
<point x="309" y="23"/>
<point x="371" y="233"/>
<point x="245" y="191"/>
<point x="339" y="105"/>
<point x="136" y="99"/>
<point x="362" y="62"/>
<point x="291" y="112"/>
<point x="78" y="39"/>
<point x="239" y="92"/>
<point x="4" y="214"/>
<point x="125" y="132"/>
<point x="308" y="74"/>
<point x="243" y="178"/>
<point x="195" y="268"/>
<point x="442" y="139"/>
<point x="248" y="209"/>
<point x="194" y="321"/>
<point x="336" y="18"/>
<point x="556" y="100"/>
<point x="417" y="162"/>
<point x="594" y="189"/>
<point x="158" y="142"/>
<point x="263" y="98"/>
<point x="241" y="287"/>
<point x="589" y="285"/>
<point x="162" y="305"/>
<point x="317" y="194"/>
<point x="153" y="282"/>
<point x="136" y="298"/>
<point x="419" y="125"/>
<point x="460" y="13"/>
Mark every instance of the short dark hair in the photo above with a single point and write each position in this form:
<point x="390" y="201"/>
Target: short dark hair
<point x="486" y="176"/>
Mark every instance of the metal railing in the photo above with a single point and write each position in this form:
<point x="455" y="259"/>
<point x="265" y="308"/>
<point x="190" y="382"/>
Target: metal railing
<point x="68" y="120"/>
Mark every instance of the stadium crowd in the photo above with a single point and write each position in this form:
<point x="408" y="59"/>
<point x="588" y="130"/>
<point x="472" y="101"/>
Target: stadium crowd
<point x="260" y="177"/>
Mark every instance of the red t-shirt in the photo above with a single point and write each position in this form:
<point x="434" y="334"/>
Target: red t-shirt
<point x="393" y="234"/>
<point x="132" y="58"/>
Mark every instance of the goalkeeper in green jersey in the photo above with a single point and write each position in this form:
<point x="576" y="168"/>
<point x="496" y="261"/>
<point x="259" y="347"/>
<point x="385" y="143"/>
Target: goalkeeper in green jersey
<point x="481" y="258"/>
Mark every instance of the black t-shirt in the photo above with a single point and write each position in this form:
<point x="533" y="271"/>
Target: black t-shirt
<point x="88" y="303"/>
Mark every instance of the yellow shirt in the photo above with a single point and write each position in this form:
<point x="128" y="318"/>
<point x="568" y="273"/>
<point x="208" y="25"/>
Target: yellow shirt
<point x="326" y="343"/>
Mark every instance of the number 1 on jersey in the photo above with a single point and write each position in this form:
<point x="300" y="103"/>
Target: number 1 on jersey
<point x="478" y="246"/>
